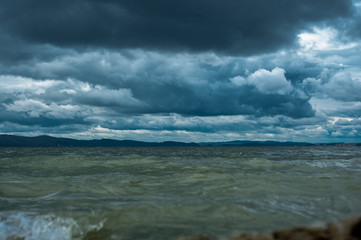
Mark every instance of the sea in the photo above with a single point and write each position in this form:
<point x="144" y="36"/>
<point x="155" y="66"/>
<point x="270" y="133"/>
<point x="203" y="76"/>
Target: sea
<point x="160" y="193"/>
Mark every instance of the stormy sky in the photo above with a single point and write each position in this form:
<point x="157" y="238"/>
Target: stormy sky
<point x="183" y="70"/>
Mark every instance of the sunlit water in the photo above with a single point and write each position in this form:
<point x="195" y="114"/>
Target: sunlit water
<point x="163" y="193"/>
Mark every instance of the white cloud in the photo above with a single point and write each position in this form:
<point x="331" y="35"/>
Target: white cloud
<point x="35" y="108"/>
<point x="319" y="39"/>
<point x="32" y="107"/>
<point x="34" y="95"/>
<point x="357" y="3"/>
<point x="269" y="82"/>
<point x="239" y="81"/>
<point x="16" y="84"/>
<point x="322" y="39"/>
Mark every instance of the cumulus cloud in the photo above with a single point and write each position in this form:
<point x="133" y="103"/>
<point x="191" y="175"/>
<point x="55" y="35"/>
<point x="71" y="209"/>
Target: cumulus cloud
<point x="343" y="86"/>
<point x="268" y="82"/>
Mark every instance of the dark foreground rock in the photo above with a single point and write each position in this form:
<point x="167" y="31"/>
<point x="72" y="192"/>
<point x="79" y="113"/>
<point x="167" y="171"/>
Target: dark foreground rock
<point x="346" y="229"/>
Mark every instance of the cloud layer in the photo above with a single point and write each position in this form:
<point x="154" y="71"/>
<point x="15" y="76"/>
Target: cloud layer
<point x="233" y="27"/>
<point x="181" y="70"/>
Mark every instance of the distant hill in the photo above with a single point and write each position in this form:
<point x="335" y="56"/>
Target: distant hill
<point x="256" y="143"/>
<point x="47" y="141"/>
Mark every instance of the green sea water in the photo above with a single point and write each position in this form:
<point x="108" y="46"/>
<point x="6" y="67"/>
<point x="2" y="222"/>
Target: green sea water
<point x="166" y="192"/>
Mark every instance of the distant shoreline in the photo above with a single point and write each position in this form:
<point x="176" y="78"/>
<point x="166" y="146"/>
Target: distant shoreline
<point x="48" y="141"/>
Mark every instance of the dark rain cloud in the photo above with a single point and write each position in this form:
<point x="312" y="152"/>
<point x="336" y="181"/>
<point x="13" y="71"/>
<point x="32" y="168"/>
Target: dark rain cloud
<point x="231" y="26"/>
<point x="152" y="83"/>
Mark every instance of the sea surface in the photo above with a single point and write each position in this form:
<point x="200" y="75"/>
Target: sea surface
<point x="166" y="192"/>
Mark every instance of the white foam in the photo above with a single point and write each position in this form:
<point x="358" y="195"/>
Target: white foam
<point x="29" y="226"/>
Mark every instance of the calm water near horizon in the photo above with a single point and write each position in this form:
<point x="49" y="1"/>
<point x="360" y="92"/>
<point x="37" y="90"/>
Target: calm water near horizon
<point x="165" y="192"/>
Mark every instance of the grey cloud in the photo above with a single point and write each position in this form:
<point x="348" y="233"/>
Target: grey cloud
<point x="343" y="86"/>
<point x="224" y="100"/>
<point x="35" y="122"/>
<point x="340" y="86"/>
<point x="352" y="27"/>
<point x="34" y="112"/>
<point x="70" y="97"/>
<point x="232" y="26"/>
<point x="121" y="99"/>
<point x="347" y="110"/>
<point x="100" y="65"/>
<point x="36" y="129"/>
<point x="211" y="124"/>
<point x="148" y="82"/>
<point x="14" y="52"/>
<point x="345" y="129"/>
<point x="176" y="122"/>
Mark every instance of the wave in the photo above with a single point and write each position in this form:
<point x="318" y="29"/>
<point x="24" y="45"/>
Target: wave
<point x="31" y="226"/>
